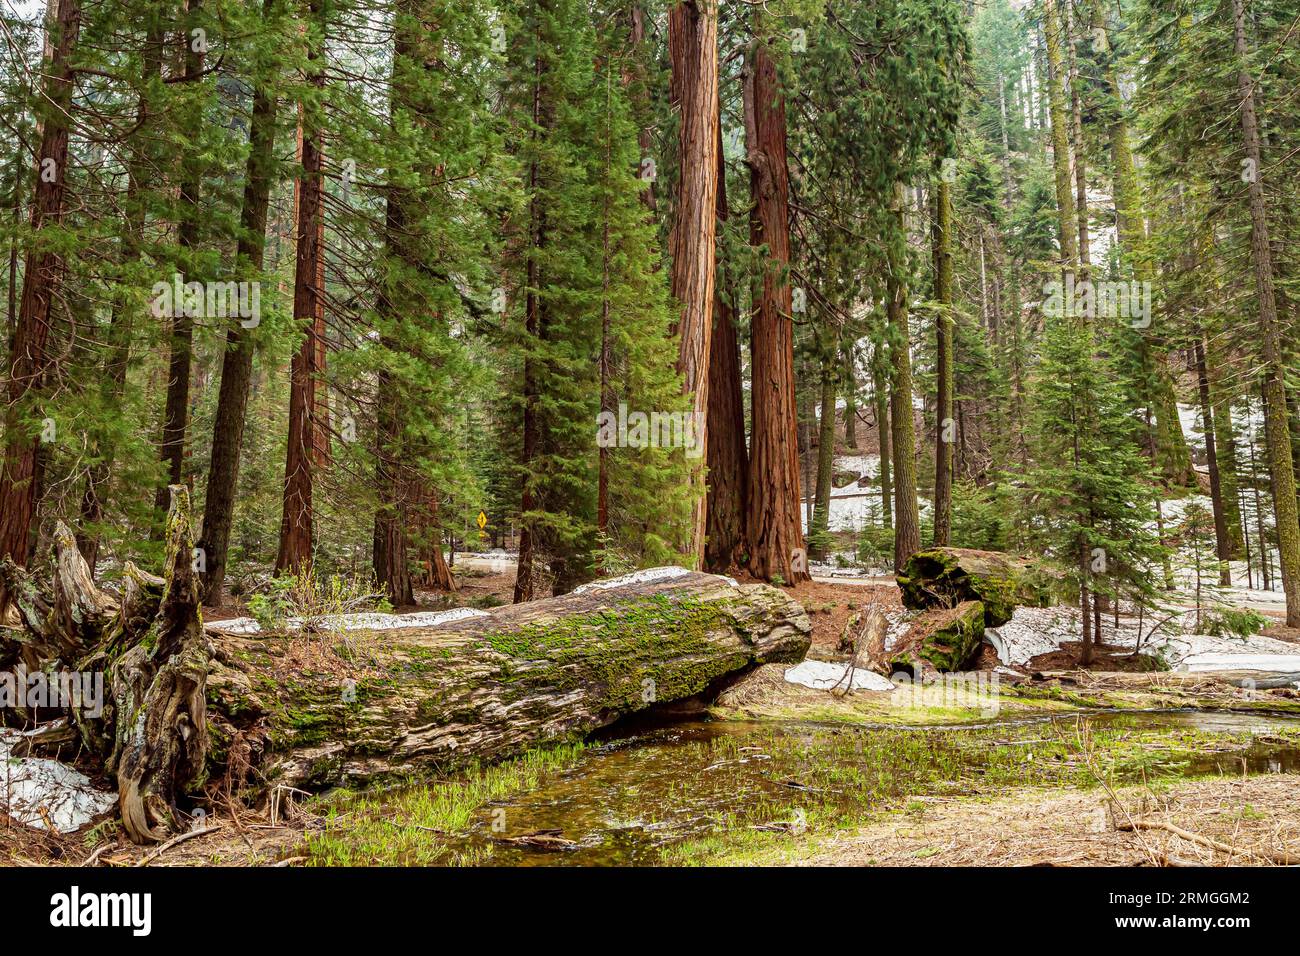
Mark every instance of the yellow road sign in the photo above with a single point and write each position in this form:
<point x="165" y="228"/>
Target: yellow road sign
<point x="482" y="520"/>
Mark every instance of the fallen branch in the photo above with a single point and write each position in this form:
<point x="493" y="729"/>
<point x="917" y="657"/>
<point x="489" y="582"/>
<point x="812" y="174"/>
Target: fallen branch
<point x="1280" y="858"/>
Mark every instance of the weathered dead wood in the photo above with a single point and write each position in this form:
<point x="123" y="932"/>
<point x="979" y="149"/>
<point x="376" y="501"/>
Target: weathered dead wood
<point x="492" y="686"/>
<point x="942" y="639"/>
<point x="151" y="730"/>
<point x="261" y="712"/>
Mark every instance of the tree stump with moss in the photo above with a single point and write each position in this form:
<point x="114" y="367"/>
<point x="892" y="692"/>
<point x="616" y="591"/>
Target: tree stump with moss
<point x="942" y="639"/>
<point x="943" y="578"/>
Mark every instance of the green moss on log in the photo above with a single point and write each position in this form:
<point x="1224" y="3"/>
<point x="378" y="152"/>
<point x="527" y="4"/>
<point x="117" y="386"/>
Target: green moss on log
<point x="945" y="577"/>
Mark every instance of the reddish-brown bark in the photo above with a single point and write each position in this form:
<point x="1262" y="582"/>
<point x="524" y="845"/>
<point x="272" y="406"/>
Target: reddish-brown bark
<point x="728" y="458"/>
<point x="775" y="535"/>
<point x="28" y="357"/>
<point x="693" y="52"/>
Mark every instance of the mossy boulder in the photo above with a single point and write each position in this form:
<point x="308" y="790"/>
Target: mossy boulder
<point x="943" y="639"/>
<point x="946" y="577"/>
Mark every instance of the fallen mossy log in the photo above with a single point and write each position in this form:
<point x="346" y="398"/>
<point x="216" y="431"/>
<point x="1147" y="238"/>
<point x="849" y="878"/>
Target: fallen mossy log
<point x="947" y="577"/>
<point x="489" y="686"/>
<point x="190" y="712"/>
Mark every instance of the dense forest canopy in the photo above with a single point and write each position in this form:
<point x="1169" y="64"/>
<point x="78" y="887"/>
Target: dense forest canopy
<point x="611" y="283"/>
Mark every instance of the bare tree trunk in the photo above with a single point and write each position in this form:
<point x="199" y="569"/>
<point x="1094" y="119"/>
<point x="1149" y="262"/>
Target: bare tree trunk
<point x="1067" y="229"/>
<point x="237" y="359"/>
<point x="728" y="458"/>
<point x="1274" y="384"/>
<point x="775" y="530"/>
<point x="181" y="342"/>
<point x="850" y="396"/>
<point x="819" y="527"/>
<point x="296" y="523"/>
<point x="1222" y="544"/>
<point x="907" y="519"/>
<point x="122" y="322"/>
<point x="880" y="399"/>
<point x="943" y="438"/>
<point x="693" y="51"/>
<point x="29" y="360"/>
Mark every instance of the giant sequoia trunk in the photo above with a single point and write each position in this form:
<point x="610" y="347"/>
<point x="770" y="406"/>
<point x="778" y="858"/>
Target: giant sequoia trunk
<point x="185" y="708"/>
<point x="693" y="50"/>
<point x="237" y="359"/>
<point x="28" y="359"/>
<point x="727" y="456"/>
<point x="774" y="526"/>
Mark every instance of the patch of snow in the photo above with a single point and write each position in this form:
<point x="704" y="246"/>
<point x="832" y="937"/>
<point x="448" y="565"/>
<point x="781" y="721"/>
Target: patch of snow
<point x="361" y="621"/>
<point x="1032" y="631"/>
<point x="636" y="577"/>
<point x="825" y="675"/>
<point x="30" y="785"/>
<point x="1201" y="652"/>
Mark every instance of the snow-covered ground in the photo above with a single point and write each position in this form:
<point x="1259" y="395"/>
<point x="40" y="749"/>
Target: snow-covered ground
<point x="364" y="621"/>
<point x="45" y="793"/>
<point x="824" y="675"/>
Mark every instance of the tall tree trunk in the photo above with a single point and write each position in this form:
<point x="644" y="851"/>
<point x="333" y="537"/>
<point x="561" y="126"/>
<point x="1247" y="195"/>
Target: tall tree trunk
<point x="944" y="432"/>
<point x="819" y="527"/>
<point x="728" y="458"/>
<point x="775" y="529"/>
<point x="122" y="321"/>
<point x="525" y="576"/>
<point x="880" y="399"/>
<point x="1225" y="440"/>
<point x="389" y="557"/>
<point x="237" y="357"/>
<point x="1067" y="228"/>
<point x="1169" y="449"/>
<point x="693" y="51"/>
<point x="1076" y="132"/>
<point x="850" y="395"/>
<point x="1222" y="544"/>
<point x="1274" y="372"/>
<point x="29" y="360"/>
<point x="181" y="342"/>
<point x="907" y="519"/>
<point x="296" y="522"/>
<point x="644" y="136"/>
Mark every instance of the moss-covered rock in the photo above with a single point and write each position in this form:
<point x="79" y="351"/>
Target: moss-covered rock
<point x="945" y="577"/>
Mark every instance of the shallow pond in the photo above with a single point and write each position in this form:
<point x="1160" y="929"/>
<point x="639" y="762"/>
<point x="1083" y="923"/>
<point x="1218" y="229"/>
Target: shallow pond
<point x="642" y="789"/>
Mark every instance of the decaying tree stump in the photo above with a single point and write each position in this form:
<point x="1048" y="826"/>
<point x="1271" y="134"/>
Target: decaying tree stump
<point x="188" y="708"/>
<point x="945" y="577"/>
<point x="942" y="639"/>
<point x="151" y="731"/>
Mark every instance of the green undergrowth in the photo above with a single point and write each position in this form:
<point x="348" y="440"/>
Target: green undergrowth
<point x="406" y="825"/>
<point x="971" y="765"/>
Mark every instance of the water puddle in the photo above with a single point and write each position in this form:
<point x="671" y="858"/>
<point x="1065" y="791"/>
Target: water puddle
<point x="629" y="797"/>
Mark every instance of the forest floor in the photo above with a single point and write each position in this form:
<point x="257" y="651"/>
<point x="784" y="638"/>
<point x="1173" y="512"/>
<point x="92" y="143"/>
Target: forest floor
<point x="1255" y="820"/>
